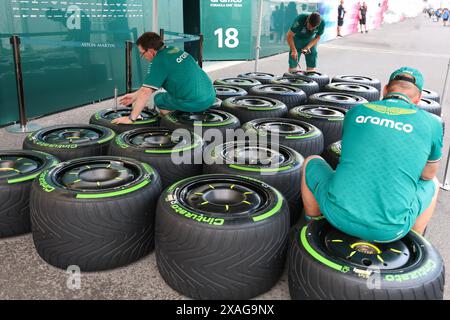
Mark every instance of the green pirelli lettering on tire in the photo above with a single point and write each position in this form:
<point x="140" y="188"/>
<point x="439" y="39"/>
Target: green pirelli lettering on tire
<point x="428" y="267"/>
<point x="121" y="143"/>
<point x="113" y="194"/>
<point x="272" y="212"/>
<point x="98" y="116"/>
<point x="250" y="169"/>
<point x="317" y="256"/>
<point x="23" y="179"/>
<point x="314" y="134"/>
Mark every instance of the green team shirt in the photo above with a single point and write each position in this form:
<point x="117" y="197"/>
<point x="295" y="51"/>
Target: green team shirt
<point x="302" y="32"/>
<point x="385" y="147"/>
<point x="179" y="74"/>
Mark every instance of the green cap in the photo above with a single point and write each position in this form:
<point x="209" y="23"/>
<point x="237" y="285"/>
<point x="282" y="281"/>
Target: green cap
<point x="418" y="77"/>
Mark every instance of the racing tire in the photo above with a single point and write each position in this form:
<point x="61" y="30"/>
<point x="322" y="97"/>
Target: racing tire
<point x="217" y="104"/>
<point x="431" y="95"/>
<point x="104" y="118"/>
<point x="430" y="106"/>
<point x="204" y="251"/>
<point x="308" y="86"/>
<point x="326" y="264"/>
<point x="262" y="77"/>
<point x="205" y="122"/>
<point x="248" y="108"/>
<point x="359" y="80"/>
<point x="83" y="215"/>
<point x="362" y="90"/>
<point x="225" y="92"/>
<point x="276" y="165"/>
<point x="71" y="141"/>
<point x="321" y="79"/>
<point x="243" y="83"/>
<point x="303" y="137"/>
<point x="329" y="119"/>
<point x="343" y="100"/>
<point x="18" y="169"/>
<point x="290" y="96"/>
<point x="332" y="154"/>
<point x="172" y="155"/>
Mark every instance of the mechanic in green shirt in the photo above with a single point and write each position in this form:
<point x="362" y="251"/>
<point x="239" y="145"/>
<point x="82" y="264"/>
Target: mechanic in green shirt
<point x="188" y="87"/>
<point x="303" y="37"/>
<point x="385" y="184"/>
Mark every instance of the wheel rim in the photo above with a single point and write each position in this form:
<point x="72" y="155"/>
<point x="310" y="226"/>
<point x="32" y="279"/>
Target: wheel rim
<point x="71" y="135"/>
<point x="339" y="98"/>
<point x="114" y="114"/>
<point x="360" y="254"/>
<point x="366" y="254"/>
<point x="356" y="78"/>
<point x="226" y="90"/>
<point x="252" y="155"/>
<point x="255" y="102"/>
<point x="155" y="139"/>
<point x="277" y="89"/>
<point x="324" y="111"/>
<point x="239" y="81"/>
<point x="281" y="127"/>
<point x="223" y="197"/>
<point x="351" y="87"/>
<point x="295" y="81"/>
<point x="259" y="75"/>
<point x="17" y="165"/>
<point x="204" y="117"/>
<point x="97" y="175"/>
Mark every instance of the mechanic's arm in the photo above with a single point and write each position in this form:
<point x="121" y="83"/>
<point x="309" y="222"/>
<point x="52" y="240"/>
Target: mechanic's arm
<point x="430" y="171"/>
<point x="313" y="43"/>
<point x="290" y="40"/>
<point x="144" y="94"/>
<point x="140" y="99"/>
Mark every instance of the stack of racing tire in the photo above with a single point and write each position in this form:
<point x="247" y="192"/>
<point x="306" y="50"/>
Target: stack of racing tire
<point x="216" y="195"/>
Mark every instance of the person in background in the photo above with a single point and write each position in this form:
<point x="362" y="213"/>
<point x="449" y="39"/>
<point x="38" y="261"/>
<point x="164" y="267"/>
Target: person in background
<point x="189" y="89"/>
<point x="341" y="15"/>
<point x="303" y="37"/>
<point x="363" y="17"/>
<point x="445" y="16"/>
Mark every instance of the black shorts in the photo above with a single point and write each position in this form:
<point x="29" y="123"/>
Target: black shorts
<point x="340" y="22"/>
<point x="362" y="21"/>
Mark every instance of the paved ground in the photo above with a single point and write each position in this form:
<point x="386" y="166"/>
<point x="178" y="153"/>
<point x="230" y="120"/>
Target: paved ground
<point x="418" y="43"/>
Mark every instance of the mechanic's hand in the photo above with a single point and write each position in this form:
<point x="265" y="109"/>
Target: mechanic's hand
<point x="294" y="55"/>
<point x="122" y="120"/>
<point x="306" y="50"/>
<point x="127" y="99"/>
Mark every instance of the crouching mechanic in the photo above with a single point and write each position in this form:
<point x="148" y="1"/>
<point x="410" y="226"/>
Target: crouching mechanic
<point x="385" y="184"/>
<point x="188" y="87"/>
<point x="303" y="37"/>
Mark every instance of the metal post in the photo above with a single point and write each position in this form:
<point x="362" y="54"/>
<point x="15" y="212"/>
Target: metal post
<point x="128" y="66"/>
<point x="155" y="15"/>
<point x="446" y="183"/>
<point x="200" y="51"/>
<point x="23" y="126"/>
<point x="161" y="34"/>
<point x="258" y="36"/>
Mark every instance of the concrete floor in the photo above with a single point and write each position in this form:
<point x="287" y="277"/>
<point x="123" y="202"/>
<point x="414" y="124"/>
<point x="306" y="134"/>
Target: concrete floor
<point x="417" y="43"/>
